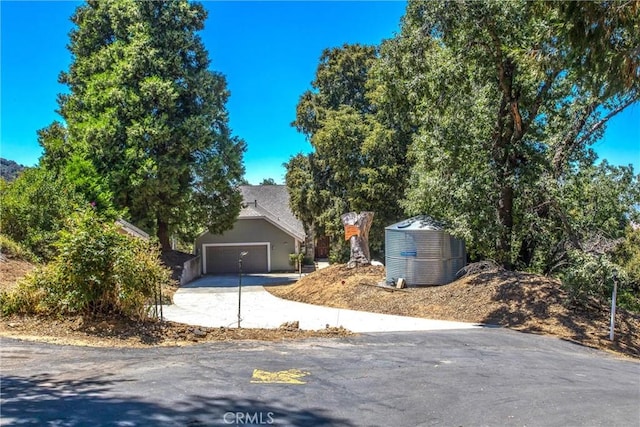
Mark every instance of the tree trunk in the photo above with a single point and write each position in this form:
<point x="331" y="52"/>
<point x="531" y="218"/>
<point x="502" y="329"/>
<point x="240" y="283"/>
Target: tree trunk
<point x="357" y="228"/>
<point x="527" y="250"/>
<point x="505" y="222"/>
<point x="163" y="235"/>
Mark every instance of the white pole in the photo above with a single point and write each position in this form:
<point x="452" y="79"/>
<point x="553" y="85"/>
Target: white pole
<point x="242" y="254"/>
<point x="239" y="289"/>
<point x="613" y="309"/>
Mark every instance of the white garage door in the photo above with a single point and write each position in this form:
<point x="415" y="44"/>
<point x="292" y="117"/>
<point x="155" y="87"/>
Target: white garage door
<point x="223" y="259"/>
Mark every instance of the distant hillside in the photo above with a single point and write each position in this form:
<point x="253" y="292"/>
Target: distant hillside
<point x="9" y="169"/>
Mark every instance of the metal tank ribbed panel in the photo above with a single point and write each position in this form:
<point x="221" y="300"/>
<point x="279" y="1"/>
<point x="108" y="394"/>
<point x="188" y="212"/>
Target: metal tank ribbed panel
<point x="421" y="252"/>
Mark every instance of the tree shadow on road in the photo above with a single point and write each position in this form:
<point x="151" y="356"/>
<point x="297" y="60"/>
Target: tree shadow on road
<point x="45" y="400"/>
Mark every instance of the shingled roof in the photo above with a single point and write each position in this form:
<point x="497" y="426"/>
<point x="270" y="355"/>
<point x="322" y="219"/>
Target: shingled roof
<point x="271" y="202"/>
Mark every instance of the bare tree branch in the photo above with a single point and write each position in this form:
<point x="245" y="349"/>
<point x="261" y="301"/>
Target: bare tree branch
<point x="564" y="148"/>
<point x="606" y="118"/>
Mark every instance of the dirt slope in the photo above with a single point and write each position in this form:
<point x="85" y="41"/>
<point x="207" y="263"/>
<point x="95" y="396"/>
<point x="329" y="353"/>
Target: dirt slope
<point x="520" y="301"/>
<point x="12" y="270"/>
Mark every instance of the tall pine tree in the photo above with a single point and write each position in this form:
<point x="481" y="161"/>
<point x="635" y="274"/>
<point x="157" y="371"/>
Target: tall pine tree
<point x="146" y="110"/>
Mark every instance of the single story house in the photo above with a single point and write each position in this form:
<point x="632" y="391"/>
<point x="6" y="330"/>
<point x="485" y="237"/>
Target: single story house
<point x="266" y="230"/>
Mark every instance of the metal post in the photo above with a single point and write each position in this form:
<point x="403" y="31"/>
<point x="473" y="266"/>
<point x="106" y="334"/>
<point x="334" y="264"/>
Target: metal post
<point x="614" y="296"/>
<point x="242" y="254"/>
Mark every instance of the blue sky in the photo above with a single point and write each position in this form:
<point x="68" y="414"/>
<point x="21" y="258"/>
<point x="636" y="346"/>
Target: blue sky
<point x="268" y="52"/>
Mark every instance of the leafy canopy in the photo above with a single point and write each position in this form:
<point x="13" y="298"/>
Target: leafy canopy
<point x="149" y="116"/>
<point x="357" y="160"/>
<point x="34" y="208"/>
<point x="481" y="114"/>
<point x="505" y="104"/>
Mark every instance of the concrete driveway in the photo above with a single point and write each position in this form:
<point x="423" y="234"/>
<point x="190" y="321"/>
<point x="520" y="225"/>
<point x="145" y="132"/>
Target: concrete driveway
<point x="212" y="301"/>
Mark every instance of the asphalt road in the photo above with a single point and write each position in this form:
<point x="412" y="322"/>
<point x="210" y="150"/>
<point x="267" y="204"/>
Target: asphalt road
<point x="491" y="377"/>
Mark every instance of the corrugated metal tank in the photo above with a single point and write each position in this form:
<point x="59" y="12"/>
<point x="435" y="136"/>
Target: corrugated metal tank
<point x="420" y="251"/>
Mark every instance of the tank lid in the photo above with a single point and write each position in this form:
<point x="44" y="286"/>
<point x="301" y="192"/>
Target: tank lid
<point x="420" y="222"/>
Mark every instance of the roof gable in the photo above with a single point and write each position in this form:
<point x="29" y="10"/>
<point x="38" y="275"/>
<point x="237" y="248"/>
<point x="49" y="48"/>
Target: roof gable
<point x="130" y="229"/>
<point x="272" y="203"/>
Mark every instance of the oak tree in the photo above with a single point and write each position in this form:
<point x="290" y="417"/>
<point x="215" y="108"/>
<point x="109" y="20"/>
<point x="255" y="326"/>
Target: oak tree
<point x="505" y="105"/>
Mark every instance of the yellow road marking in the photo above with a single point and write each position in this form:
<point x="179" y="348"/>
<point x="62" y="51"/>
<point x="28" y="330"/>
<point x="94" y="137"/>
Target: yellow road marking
<point x="291" y="376"/>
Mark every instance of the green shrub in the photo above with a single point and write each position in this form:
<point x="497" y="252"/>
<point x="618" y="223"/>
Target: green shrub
<point x="34" y="208"/>
<point x="627" y="255"/>
<point x="592" y="276"/>
<point x="97" y="270"/>
<point x="340" y="251"/>
<point x="296" y="259"/>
